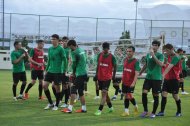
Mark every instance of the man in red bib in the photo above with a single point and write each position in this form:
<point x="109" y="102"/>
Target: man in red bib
<point x="131" y="70"/>
<point x="37" y="68"/>
<point x="171" y="79"/>
<point x="106" y="70"/>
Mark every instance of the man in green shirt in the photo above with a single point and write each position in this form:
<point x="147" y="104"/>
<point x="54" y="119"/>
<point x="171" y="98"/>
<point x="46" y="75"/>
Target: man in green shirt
<point x="183" y="73"/>
<point x="19" y="74"/>
<point x="117" y="81"/>
<point x="78" y="58"/>
<point x="153" y="80"/>
<point x="96" y="53"/>
<point x="65" y="79"/>
<point x="56" y="57"/>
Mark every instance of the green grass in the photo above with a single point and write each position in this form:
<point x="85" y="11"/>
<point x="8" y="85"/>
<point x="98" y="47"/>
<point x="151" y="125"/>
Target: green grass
<point x="31" y="113"/>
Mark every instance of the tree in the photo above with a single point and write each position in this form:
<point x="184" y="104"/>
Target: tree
<point x="125" y="35"/>
<point x="25" y="43"/>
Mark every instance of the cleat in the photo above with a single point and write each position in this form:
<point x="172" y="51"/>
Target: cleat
<point x="55" y="108"/>
<point x="26" y="96"/>
<point x="136" y="110"/>
<point x="113" y="98"/>
<point x="160" y="114"/>
<point x="80" y="111"/>
<point x="97" y="113"/>
<point x="64" y="105"/>
<point x="144" y="114"/>
<point x="96" y="97"/>
<point x="66" y="110"/>
<point x="21" y="97"/>
<point x="184" y="93"/>
<point x="125" y="114"/>
<point x="110" y="110"/>
<point x="178" y="114"/>
<point x="152" y="115"/>
<point x="41" y="98"/>
<point x="15" y="99"/>
<point x="49" y="106"/>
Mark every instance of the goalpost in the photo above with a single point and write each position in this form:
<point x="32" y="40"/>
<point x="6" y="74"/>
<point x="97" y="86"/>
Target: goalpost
<point x="118" y="49"/>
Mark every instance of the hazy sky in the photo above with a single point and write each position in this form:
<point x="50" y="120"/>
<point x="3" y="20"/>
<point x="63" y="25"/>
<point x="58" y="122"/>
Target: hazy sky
<point x="92" y="8"/>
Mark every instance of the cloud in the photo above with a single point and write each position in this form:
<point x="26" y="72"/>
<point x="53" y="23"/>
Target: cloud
<point x="90" y="8"/>
<point x="174" y="2"/>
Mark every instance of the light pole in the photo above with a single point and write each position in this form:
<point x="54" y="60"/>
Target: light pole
<point x="136" y="1"/>
<point x="3" y="23"/>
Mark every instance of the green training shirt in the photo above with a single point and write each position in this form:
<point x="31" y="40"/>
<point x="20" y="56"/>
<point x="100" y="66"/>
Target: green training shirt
<point x="154" y="71"/>
<point x="56" y="58"/>
<point x="19" y="67"/>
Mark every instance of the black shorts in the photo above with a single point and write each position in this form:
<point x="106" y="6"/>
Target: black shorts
<point x="64" y="79"/>
<point x="104" y="85"/>
<point x="127" y="89"/>
<point x="78" y="83"/>
<point x="87" y="79"/>
<point x="95" y="78"/>
<point x="171" y="86"/>
<point x="21" y="76"/>
<point x="183" y="74"/>
<point x="117" y="80"/>
<point x="155" y="85"/>
<point x="37" y="74"/>
<point x="53" y="77"/>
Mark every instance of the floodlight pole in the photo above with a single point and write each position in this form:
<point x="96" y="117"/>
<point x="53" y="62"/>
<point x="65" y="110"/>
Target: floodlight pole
<point x="3" y="23"/>
<point x="136" y="1"/>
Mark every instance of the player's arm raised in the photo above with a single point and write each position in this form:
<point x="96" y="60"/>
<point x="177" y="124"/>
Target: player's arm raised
<point x="158" y="61"/>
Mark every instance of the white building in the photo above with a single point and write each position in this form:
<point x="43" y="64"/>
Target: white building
<point x="168" y="19"/>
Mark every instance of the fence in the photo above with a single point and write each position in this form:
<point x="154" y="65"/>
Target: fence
<point x="34" y="26"/>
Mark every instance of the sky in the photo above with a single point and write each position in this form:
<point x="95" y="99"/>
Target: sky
<point x="87" y="8"/>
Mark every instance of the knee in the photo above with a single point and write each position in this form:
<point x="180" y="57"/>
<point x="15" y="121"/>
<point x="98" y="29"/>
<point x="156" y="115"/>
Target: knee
<point x="145" y="91"/>
<point x="45" y="86"/>
<point x="40" y="82"/>
<point x="155" y="95"/>
<point x="34" y="81"/>
<point x="104" y="92"/>
<point x="164" y="94"/>
<point x="129" y="96"/>
<point x="175" y="96"/>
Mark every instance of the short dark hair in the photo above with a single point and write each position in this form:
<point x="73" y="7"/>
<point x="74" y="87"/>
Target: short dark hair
<point x="184" y="52"/>
<point x="131" y="47"/>
<point x="179" y="50"/>
<point x="40" y="41"/>
<point x="55" y="36"/>
<point x="168" y="46"/>
<point x="156" y="42"/>
<point x="72" y="42"/>
<point x="16" y="43"/>
<point x="65" y="38"/>
<point x="106" y="45"/>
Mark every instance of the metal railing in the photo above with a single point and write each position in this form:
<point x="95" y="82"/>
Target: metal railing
<point x="95" y="29"/>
